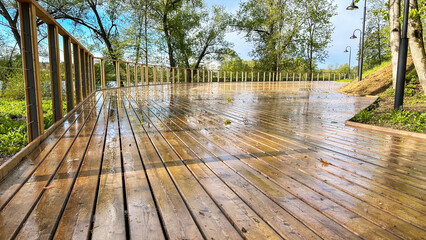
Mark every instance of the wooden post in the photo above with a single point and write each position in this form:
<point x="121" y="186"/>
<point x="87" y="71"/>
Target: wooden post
<point x="167" y="74"/>
<point x="198" y="75"/>
<point x="252" y="76"/>
<point x="192" y="75"/>
<point x="103" y="83"/>
<point x="136" y="74"/>
<point x="264" y="76"/>
<point x="117" y="73"/>
<point x="68" y="73"/>
<point x="236" y="76"/>
<point x="258" y="76"/>
<point x="83" y="74"/>
<point x="154" y="74"/>
<point x="142" y="74"/>
<point x="218" y="76"/>
<point x="147" y="74"/>
<point x="86" y="73"/>
<point x="178" y="75"/>
<point x="161" y="74"/>
<point x="204" y="72"/>
<point x="128" y="74"/>
<point x="173" y="75"/>
<point x="30" y="62"/>
<point x="186" y="74"/>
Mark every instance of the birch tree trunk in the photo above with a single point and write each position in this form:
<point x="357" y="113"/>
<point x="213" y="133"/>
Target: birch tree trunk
<point x="417" y="47"/>
<point x="395" y="31"/>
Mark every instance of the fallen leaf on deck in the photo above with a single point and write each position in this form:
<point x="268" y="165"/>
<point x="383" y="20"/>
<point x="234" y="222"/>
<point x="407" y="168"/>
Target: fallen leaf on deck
<point x="324" y="163"/>
<point x="201" y="213"/>
<point x="227" y="122"/>
<point x="229" y="100"/>
<point x="48" y="187"/>
<point x="243" y="230"/>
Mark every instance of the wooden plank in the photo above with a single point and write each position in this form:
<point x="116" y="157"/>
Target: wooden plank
<point x="54" y="197"/>
<point x="109" y="218"/>
<point x="29" y="194"/>
<point x="174" y="213"/>
<point x="210" y="219"/>
<point x="76" y="219"/>
<point x="144" y="221"/>
<point x="223" y="184"/>
<point x="22" y="172"/>
<point x="323" y="226"/>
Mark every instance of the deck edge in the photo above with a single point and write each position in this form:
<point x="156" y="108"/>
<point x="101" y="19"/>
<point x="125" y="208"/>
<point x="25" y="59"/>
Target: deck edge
<point x="385" y="129"/>
<point x="14" y="161"/>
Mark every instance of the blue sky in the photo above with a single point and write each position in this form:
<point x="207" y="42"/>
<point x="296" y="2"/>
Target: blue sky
<point x="345" y="22"/>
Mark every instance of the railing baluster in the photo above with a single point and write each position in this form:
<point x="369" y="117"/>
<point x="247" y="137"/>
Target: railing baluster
<point x="68" y="74"/>
<point x="55" y="72"/>
<point x="77" y="73"/>
<point x="27" y="13"/>
<point x="117" y="73"/>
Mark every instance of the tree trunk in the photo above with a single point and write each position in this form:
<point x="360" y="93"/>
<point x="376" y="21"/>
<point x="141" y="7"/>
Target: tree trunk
<point x="395" y="29"/>
<point x="415" y="35"/>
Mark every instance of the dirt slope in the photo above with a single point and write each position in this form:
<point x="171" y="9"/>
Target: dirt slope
<point x="372" y="84"/>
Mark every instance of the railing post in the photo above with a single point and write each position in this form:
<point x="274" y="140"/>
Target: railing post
<point x="83" y="75"/>
<point x="142" y="74"/>
<point x="161" y="74"/>
<point x="30" y="61"/>
<point x="68" y="74"/>
<point x="178" y="75"/>
<point x="117" y="73"/>
<point x="103" y="83"/>
<point x="186" y="74"/>
<point x="147" y="74"/>
<point x="204" y="72"/>
<point x="86" y="72"/>
<point x="93" y="73"/>
<point x="167" y="74"/>
<point x="192" y="75"/>
<point x="55" y="72"/>
<point x="77" y="73"/>
<point x="154" y="70"/>
<point x="136" y="74"/>
<point x="128" y="74"/>
<point x="173" y="75"/>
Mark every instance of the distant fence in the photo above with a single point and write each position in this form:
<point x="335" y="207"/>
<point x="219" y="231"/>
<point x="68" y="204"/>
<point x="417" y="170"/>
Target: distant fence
<point x="84" y="73"/>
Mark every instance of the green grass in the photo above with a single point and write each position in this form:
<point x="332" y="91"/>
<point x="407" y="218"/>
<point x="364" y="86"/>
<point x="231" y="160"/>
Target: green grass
<point x="13" y="124"/>
<point x="369" y="71"/>
<point x="345" y="80"/>
<point x="411" y="118"/>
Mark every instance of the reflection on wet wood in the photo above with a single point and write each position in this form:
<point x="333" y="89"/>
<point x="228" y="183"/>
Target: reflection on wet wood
<point x="256" y="160"/>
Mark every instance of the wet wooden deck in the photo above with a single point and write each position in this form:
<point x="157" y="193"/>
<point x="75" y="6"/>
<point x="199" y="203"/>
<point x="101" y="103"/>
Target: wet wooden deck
<point x="158" y="162"/>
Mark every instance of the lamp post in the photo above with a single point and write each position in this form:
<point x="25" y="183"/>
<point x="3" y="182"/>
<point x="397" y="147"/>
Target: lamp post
<point x="402" y="59"/>
<point x="350" y="50"/>
<point x="361" y="60"/>
<point x="359" y="47"/>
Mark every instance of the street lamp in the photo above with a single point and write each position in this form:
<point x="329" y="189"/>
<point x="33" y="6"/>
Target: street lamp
<point x="402" y="59"/>
<point x="359" y="54"/>
<point x="350" y="50"/>
<point x="361" y="60"/>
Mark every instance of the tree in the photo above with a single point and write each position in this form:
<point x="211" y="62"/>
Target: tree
<point x="9" y="10"/>
<point x="272" y="26"/>
<point x="316" y="30"/>
<point x="395" y="35"/>
<point x="376" y="42"/>
<point x="415" y="35"/>
<point x="100" y="17"/>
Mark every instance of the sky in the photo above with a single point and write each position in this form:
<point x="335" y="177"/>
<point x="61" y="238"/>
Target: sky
<point x="345" y="22"/>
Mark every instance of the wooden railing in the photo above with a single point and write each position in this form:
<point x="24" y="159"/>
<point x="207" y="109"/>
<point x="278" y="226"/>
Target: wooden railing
<point x="82" y="79"/>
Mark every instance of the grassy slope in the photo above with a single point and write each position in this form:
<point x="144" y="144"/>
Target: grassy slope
<point x="378" y="81"/>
